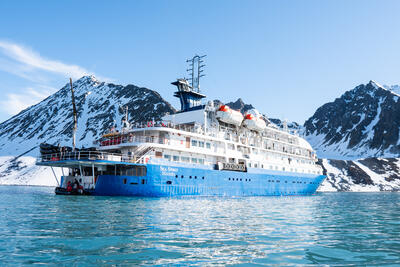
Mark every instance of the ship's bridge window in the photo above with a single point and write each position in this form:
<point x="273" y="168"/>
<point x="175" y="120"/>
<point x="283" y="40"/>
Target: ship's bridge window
<point x="175" y="158"/>
<point x="208" y="145"/>
<point x="194" y="142"/>
<point x="185" y="159"/>
<point x="201" y="144"/>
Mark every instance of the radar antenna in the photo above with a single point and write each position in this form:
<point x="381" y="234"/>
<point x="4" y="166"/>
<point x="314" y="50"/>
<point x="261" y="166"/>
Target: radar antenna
<point x="195" y="70"/>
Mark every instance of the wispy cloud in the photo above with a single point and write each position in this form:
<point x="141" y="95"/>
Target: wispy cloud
<point x="28" y="61"/>
<point x="13" y="103"/>
<point x="41" y="75"/>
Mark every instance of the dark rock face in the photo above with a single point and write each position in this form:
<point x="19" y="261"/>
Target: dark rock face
<point x="240" y="105"/>
<point x="356" y="173"/>
<point x="99" y="105"/>
<point x="347" y="175"/>
<point x="366" y="119"/>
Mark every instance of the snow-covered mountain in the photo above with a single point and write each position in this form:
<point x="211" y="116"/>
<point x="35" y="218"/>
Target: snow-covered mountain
<point x="363" y="122"/>
<point x="99" y="106"/>
<point x="371" y="174"/>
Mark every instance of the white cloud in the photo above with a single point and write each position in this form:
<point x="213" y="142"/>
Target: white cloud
<point x="14" y="103"/>
<point x="40" y="75"/>
<point x="30" y="61"/>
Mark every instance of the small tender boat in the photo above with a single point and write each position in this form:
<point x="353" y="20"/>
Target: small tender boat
<point x="64" y="191"/>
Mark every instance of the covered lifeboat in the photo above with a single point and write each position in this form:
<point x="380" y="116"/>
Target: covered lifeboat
<point x="254" y="121"/>
<point x="228" y="115"/>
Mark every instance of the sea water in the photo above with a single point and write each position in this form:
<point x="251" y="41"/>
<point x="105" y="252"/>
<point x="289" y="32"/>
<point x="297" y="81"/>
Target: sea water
<point x="37" y="226"/>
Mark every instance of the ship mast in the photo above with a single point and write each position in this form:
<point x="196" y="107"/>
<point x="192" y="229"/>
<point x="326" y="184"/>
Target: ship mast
<point x="189" y="94"/>
<point x="75" y="116"/>
<point x="195" y="70"/>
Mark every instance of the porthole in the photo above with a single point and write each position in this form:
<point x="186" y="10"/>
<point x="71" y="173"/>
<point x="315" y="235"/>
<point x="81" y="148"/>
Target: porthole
<point x="195" y="177"/>
<point x="176" y="176"/>
<point x="229" y="179"/>
<point x="169" y="182"/>
<point x="181" y="176"/>
<point x="190" y="177"/>
<point x="240" y="179"/>
<point x="202" y="178"/>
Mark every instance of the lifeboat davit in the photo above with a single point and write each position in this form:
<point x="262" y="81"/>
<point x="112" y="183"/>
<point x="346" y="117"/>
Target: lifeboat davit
<point x="228" y="115"/>
<point x="254" y="121"/>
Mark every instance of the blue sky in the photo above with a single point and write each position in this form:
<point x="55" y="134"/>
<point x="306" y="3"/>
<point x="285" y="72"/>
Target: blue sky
<point x="286" y="58"/>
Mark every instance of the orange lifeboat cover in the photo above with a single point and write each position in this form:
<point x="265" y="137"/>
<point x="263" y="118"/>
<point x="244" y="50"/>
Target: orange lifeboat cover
<point x="224" y="108"/>
<point x="249" y="117"/>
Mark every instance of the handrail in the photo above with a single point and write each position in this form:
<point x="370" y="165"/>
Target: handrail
<point x="84" y="155"/>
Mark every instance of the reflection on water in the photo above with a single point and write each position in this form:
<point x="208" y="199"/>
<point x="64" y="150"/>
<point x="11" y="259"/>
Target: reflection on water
<point x="334" y="229"/>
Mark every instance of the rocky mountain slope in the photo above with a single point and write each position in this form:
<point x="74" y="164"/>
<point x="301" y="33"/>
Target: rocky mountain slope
<point x="363" y="122"/>
<point x="99" y="105"/>
<point x="370" y="174"/>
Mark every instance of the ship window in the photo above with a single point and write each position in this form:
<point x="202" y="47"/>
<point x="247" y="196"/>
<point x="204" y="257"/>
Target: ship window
<point x="190" y="177"/>
<point x="176" y="176"/>
<point x="203" y="177"/>
<point x="125" y="181"/>
<point x="201" y="144"/>
<point x="240" y="179"/>
<point x="229" y="179"/>
<point x="208" y="145"/>
<point x="181" y="176"/>
<point x="194" y="142"/>
<point x="195" y="177"/>
<point x="143" y="181"/>
<point x="185" y="159"/>
<point x="201" y="161"/>
<point x="249" y="180"/>
<point x="194" y="160"/>
<point x="169" y="182"/>
<point x="176" y="158"/>
<point x="167" y="157"/>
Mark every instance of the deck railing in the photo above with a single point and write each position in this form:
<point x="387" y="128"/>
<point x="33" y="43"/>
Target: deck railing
<point x="84" y="155"/>
<point x="132" y="139"/>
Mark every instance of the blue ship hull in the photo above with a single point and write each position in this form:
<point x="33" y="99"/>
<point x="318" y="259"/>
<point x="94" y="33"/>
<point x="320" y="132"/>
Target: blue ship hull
<point x="166" y="180"/>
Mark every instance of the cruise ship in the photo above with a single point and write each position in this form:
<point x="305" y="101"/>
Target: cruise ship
<point x="202" y="150"/>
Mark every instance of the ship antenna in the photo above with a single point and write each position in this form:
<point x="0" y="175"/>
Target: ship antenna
<point x="75" y="116"/>
<point x="195" y="70"/>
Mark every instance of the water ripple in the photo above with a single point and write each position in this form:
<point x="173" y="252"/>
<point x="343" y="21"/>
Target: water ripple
<point x="326" y="229"/>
